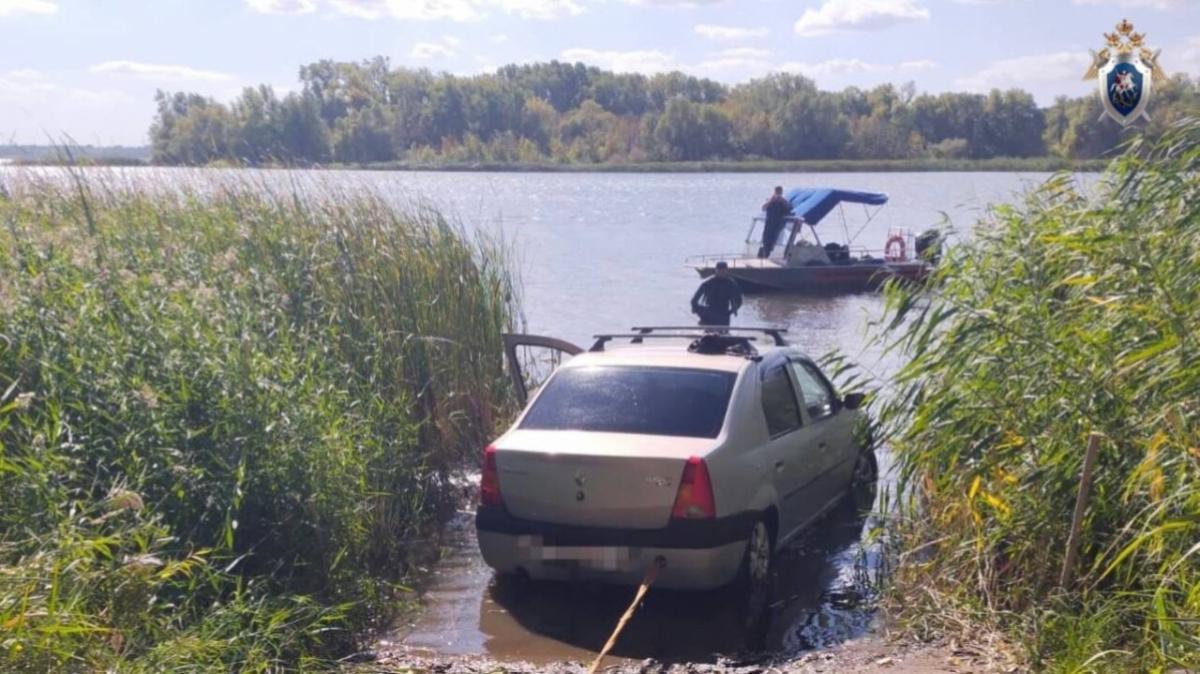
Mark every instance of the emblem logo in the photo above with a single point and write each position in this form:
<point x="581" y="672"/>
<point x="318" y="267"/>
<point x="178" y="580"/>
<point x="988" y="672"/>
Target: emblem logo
<point x="1125" y="70"/>
<point x="579" y="478"/>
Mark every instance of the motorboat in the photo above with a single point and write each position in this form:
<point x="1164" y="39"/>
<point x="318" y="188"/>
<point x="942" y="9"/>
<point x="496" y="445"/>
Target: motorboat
<point x="805" y="263"/>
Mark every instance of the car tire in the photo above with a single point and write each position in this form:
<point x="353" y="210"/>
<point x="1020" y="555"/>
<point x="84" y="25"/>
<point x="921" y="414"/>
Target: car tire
<point x="755" y="584"/>
<point x="864" y="481"/>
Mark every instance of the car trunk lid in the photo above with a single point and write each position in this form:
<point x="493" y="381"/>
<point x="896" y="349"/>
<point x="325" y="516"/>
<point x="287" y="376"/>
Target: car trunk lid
<point x="593" y="479"/>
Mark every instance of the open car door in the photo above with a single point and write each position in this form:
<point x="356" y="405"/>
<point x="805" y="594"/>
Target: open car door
<point x="532" y="359"/>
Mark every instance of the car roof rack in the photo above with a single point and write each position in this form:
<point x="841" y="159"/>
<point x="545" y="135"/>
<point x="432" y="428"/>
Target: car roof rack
<point x="709" y="342"/>
<point x="776" y="334"/>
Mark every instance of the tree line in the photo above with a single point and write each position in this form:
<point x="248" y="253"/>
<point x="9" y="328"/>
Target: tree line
<point x="560" y="112"/>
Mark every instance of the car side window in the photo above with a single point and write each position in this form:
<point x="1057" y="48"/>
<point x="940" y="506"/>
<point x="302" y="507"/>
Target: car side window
<point x="819" y="399"/>
<point x="779" y="402"/>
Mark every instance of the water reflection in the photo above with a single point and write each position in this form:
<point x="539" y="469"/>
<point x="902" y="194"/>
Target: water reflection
<point x="821" y="583"/>
<point x="798" y="310"/>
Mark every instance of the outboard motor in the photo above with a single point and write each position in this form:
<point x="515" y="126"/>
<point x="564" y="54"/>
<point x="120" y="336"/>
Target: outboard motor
<point x="928" y="246"/>
<point x="838" y="254"/>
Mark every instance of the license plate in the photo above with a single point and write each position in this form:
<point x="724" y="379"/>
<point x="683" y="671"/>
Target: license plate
<point x="605" y="557"/>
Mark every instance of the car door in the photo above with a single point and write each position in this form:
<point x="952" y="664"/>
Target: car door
<point x="786" y="460"/>
<point x="532" y="359"/>
<point x="832" y="450"/>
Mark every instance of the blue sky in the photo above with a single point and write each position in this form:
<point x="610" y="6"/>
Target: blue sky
<point x="89" y="68"/>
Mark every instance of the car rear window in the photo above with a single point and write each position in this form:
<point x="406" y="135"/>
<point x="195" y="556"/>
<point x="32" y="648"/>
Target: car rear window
<point x="644" y="400"/>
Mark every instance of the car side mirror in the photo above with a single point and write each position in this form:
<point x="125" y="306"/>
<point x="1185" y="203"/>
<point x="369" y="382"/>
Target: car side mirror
<point x="853" y="401"/>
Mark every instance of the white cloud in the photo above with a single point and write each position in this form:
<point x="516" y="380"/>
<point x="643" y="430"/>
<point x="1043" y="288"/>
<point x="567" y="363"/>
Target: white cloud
<point x="1188" y="59"/>
<point x="426" y="10"/>
<point x="25" y="74"/>
<point x="282" y="6"/>
<point x="540" y="9"/>
<point x="444" y="48"/>
<point x="745" y="53"/>
<point x="499" y="38"/>
<point x="675" y="3"/>
<point x="847" y="15"/>
<point x="1155" y="4"/>
<point x="158" y="71"/>
<point x="454" y="10"/>
<point x="8" y="7"/>
<point x="738" y="58"/>
<point x="430" y="50"/>
<point x="1043" y="75"/>
<point x="22" y="85"/>
<point x="637" y="61"/>
<point x="729" y="33"/>
<point x="34" y="109"/>
<point x="834" y="68"/>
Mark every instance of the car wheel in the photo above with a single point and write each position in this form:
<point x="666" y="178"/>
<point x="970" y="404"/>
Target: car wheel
<point x="863" y="484"/>
<point x="756" y="584"/>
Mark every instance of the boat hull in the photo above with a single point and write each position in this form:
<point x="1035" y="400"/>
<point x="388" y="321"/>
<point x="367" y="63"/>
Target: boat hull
<point x="819" y="279"/>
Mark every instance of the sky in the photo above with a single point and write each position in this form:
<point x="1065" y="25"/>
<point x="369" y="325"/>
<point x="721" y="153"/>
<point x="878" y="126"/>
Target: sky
<point x="88" y="69"/>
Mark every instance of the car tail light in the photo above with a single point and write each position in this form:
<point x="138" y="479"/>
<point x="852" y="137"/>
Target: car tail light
<point x="489" y="481"/>
<point x="694" y="500"/>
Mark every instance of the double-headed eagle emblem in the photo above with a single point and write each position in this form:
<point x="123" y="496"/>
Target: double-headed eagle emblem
<point x="1125" y="69"/>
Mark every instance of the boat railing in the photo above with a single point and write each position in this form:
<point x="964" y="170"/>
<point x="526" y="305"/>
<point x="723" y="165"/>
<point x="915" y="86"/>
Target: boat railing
<point x="709" y="259"/>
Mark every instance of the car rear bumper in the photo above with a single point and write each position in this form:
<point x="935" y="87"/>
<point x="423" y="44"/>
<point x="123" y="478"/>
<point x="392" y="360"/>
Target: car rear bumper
<point x="699" y="555"/>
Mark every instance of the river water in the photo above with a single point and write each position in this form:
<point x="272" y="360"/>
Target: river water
<point x="603" y="252"/>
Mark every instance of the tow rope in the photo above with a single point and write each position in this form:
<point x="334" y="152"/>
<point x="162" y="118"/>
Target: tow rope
<point x="648" y="579"/>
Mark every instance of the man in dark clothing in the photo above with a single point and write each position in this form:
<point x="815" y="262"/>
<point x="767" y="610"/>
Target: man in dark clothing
<point x="777" y="208"/>
<point x="717" y="298"/>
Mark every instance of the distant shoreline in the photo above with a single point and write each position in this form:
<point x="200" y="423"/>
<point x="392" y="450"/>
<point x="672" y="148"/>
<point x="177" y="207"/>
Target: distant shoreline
<point x="756" y="166"/>
<point x="999" y="164"/>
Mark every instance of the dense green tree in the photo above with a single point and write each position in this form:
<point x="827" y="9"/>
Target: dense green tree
<point x="370" y="112"/>
<point x="1075" y="129"/>
<point x="688" y="131"/>
<point x="364" y="136"/>
<point x="190" y="129"/>
<point x="305" y="137"/>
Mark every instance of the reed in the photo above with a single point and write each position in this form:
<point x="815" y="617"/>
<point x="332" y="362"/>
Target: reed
<point x="229" y="414"/>
<point x="1075" y="312"/>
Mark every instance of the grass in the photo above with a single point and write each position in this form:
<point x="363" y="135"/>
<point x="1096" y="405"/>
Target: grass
<point x="228" y="416"/>
<point x="1070" y="314"/>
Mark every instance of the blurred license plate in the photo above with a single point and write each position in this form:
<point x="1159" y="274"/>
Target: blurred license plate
<point x="599" y="556"/>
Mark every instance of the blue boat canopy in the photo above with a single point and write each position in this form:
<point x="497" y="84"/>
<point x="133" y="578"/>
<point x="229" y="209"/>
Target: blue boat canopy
<point x="814" y="203"/>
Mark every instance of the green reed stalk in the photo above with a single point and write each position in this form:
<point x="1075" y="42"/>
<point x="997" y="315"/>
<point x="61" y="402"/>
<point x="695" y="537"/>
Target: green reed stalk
<point x="1076" y="312"/>
<point x="228" y="414"/>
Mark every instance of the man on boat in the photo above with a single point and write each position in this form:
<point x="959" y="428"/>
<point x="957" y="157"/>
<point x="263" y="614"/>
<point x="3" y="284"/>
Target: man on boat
<point x="717" y="298"/>
<point x="777" y="208"/>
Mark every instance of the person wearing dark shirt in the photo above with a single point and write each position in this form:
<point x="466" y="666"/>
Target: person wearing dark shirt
<point x="777" y="208"/>
<point x="717" y="298"/>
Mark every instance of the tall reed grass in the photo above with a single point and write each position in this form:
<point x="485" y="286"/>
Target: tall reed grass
<point x="227" y="415"/>
<point x="1077" y="312"/>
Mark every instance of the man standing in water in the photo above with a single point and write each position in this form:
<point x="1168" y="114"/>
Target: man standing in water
<point x="717" y="298"/>
<point x="777" y="208"/>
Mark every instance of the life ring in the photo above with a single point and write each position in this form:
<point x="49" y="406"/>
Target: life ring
<point x="892" y="255"/>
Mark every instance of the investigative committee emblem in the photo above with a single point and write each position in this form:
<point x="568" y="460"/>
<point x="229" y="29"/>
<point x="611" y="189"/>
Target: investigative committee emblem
<point x="1125" y="70"/>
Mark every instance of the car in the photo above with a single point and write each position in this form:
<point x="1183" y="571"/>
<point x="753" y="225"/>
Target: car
<point x="690" y="448"/>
